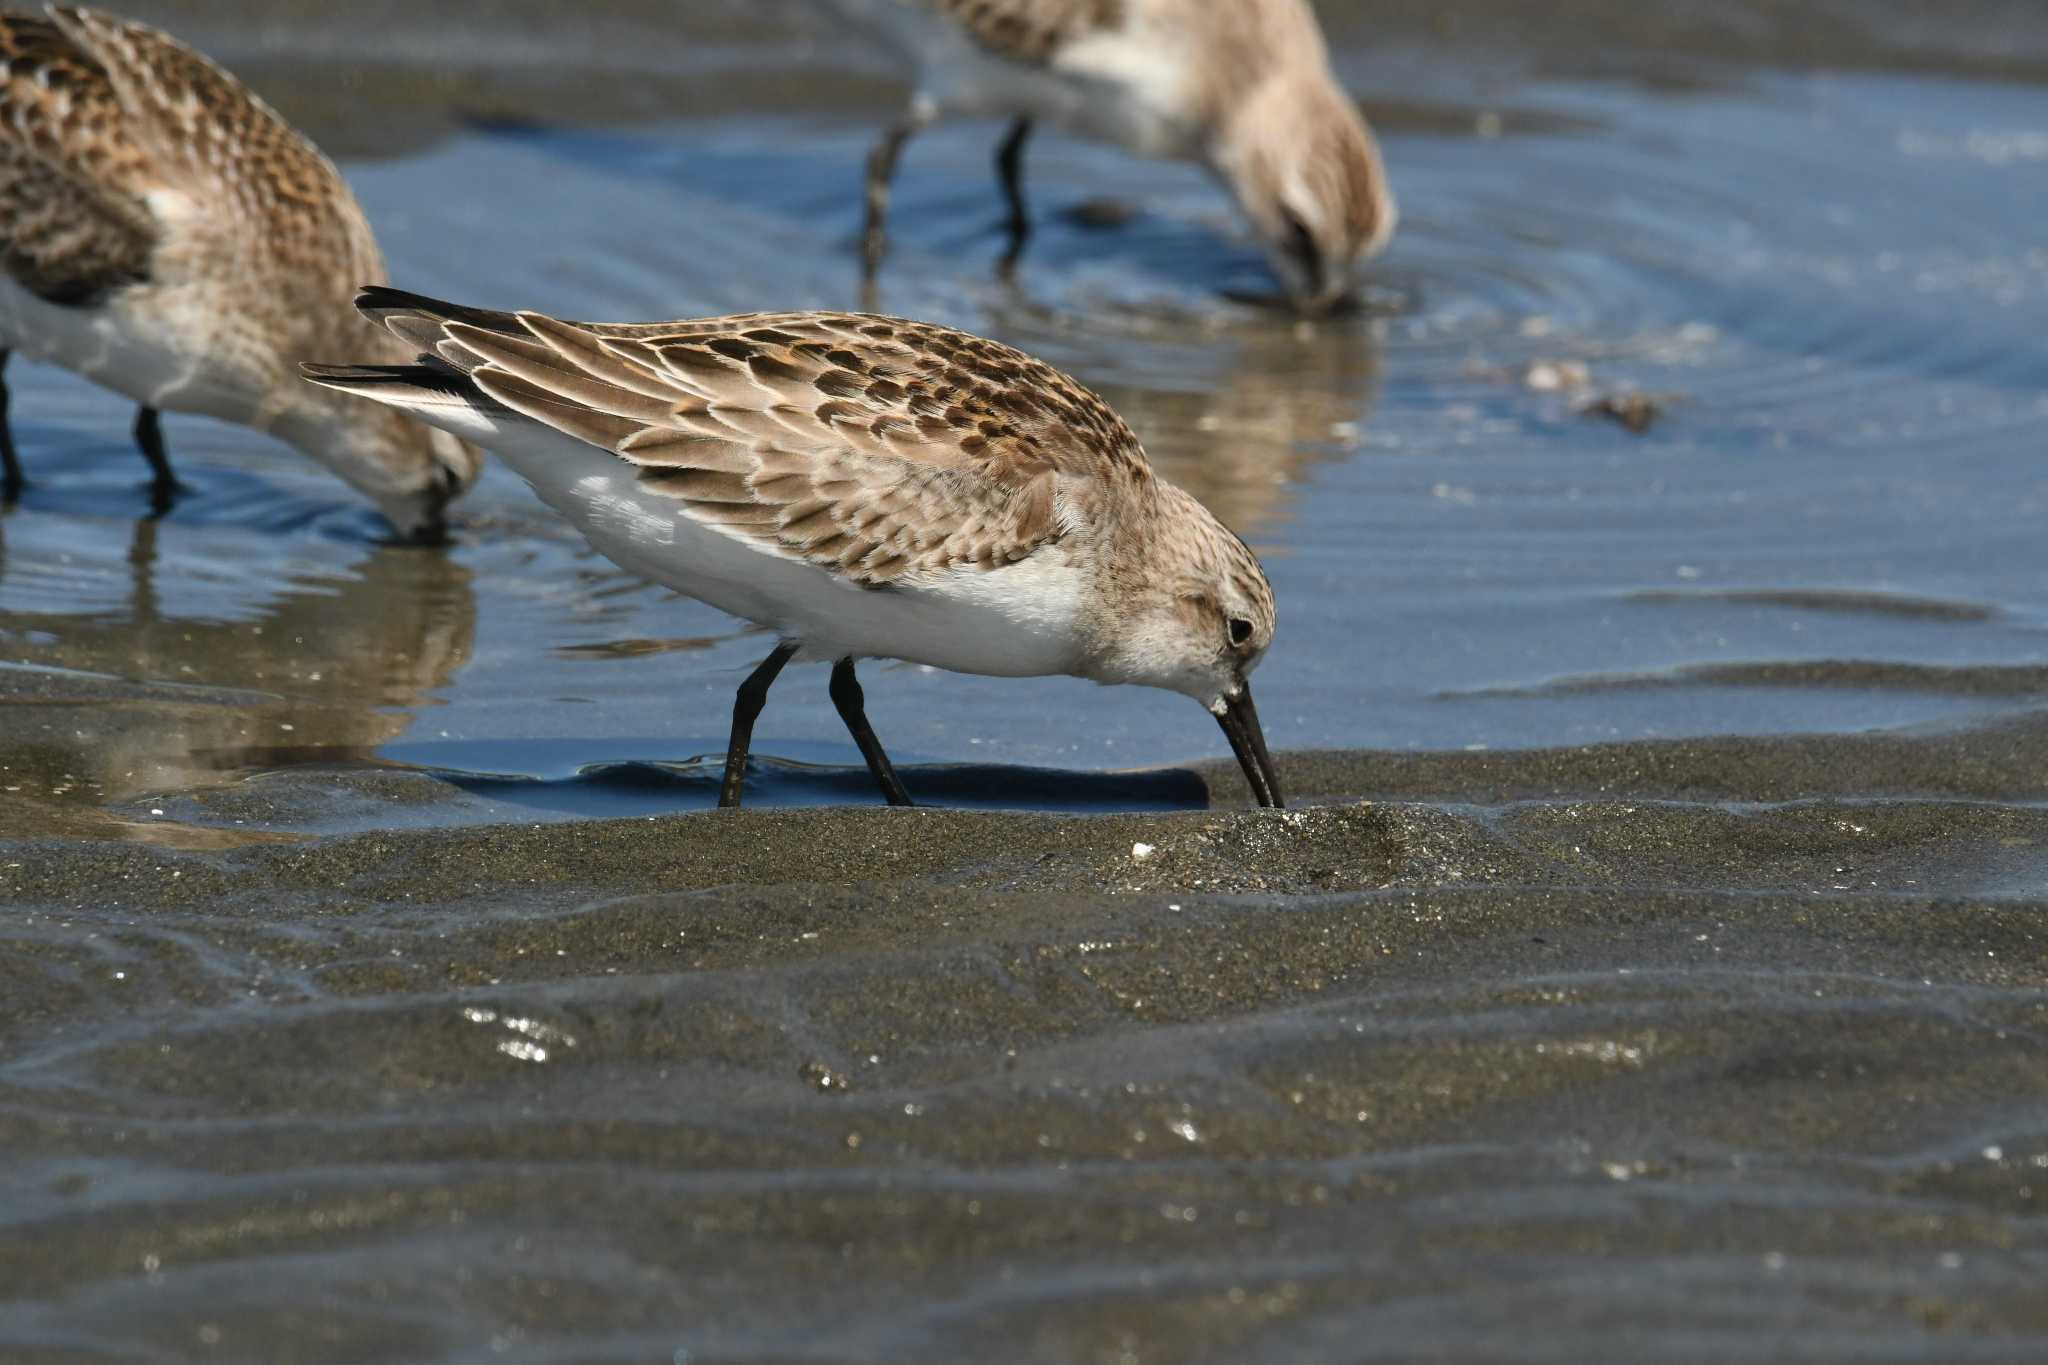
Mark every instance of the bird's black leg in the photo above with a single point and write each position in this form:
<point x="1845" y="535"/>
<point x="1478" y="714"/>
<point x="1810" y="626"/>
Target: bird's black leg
<point x="882" y="170"/>
<point x="149" y="434"/>
<point x="846" y="695"/>
<point x="10" y="464"/>
<point x="1010" y="171"/>
<point x="746" y="707"/>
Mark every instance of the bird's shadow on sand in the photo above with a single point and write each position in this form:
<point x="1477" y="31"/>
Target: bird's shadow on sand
<point x="645" y="788"/>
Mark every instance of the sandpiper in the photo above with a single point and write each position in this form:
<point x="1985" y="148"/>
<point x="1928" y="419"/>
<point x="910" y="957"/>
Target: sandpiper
<point x="864" y="487"/>
<point x="1242" y="87"/>
<point x="166" y="234"/>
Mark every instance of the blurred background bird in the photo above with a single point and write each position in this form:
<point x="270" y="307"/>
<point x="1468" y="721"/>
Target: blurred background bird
<point x="166" y="234"/>
<point x="1241" y="87"/>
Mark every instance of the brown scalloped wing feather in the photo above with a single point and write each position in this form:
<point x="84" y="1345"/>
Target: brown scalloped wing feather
<point x="72" y="222"/>
<point x="872" y="446"/>
<point x="198" y="124"/>
<point x="270" y="198"/>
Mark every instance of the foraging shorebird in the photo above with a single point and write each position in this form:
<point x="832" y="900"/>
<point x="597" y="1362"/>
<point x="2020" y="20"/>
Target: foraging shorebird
<point x="166" y="234"/>
<point x="1242" y="87"/>
<point x="865" y="487"/>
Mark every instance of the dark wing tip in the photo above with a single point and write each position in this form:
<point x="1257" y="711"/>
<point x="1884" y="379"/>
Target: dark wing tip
<point x="357" y="374"/>
<point x="379" y="301"/>
<point x="382" y="298"/>
<point x="429" y="376"/>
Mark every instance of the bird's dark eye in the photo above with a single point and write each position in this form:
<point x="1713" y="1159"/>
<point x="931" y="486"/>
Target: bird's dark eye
<point x="1240" y="631"/>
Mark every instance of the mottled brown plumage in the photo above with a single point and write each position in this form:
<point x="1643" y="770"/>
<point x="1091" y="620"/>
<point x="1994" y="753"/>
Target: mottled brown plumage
<point x="860" y="485"/>
<point x="876" y="446"/>
<point x="70" y="187"/>
<point x="110" y="113"/>
<point x="1242" y="87"/>
<point x="145" y="186"/>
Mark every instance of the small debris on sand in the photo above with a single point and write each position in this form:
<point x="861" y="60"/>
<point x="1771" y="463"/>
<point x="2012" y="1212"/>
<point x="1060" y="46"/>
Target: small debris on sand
<point x="1552" y="376"/>
<point x="1634" y="410"/>
<point x="1101" y="214"/>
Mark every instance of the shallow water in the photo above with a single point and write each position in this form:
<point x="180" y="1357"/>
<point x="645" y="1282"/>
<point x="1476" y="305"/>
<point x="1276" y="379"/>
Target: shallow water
<point x="1682" y="985"/>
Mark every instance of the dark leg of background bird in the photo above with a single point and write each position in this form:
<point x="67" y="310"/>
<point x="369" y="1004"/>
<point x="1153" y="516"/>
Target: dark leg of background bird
<point x="882" y="170"/>
<point x="846" y="695"/>
<point x="1010" y="170"/>
<point x="10" y="465"/>
<point x="149" y="434"/>
<point x="746" y="708"/>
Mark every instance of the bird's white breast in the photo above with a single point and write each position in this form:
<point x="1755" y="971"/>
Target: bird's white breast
<point x="1132" y="88"/>
<point x="153" y="345"/>
<point x="1127" y="85"/>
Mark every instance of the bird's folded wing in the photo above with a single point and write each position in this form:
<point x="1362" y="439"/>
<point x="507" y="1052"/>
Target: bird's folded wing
<point x="73" y="223"/>
<point x="199" y="130"/>
<point x="873" y="446"/>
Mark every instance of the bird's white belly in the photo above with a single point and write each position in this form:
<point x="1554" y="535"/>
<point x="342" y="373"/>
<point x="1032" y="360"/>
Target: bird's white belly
<point x="1124" y="86"/>
<point x="119" y="345"/>
<point x="1016" y="621"/>
<point x="1131" y="87"/>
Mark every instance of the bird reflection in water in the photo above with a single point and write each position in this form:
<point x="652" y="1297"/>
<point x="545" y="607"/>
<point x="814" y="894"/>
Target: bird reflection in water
<point x="318" y="666"/>
<point x="1247" y="425"/>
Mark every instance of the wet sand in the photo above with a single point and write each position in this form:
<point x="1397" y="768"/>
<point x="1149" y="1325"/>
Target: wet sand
<point x="1379" y="1078"/>
<point x="1654" y="966"/>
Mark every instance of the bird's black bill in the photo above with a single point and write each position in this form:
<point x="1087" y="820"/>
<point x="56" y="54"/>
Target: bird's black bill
<point x="1240" y="721"/>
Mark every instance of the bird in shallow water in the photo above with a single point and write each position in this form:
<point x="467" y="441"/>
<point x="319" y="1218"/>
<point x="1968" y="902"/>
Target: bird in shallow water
<point x="862" y="486"/>
<point x="1242" y="87"/>
<point x="166" y="234"/>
